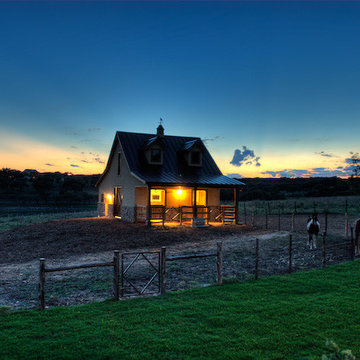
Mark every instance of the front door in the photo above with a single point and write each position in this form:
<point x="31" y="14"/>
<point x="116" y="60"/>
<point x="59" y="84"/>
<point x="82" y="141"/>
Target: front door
<point x="117" y="201"/>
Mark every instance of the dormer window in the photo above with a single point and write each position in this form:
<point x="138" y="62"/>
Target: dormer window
<point x="195" y="158"/>
<point x="156" y="156"/>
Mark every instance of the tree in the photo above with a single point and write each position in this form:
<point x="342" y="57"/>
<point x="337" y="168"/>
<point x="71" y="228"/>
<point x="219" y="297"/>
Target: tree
<point x="355" y="162"/>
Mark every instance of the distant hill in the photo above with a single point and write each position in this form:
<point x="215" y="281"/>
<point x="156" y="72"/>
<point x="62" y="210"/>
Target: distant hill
<point x="283" y="188"/>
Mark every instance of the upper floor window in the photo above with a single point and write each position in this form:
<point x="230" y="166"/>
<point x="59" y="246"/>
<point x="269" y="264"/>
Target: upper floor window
<point x="156" y="156"/>
<point x="195" y="158"/>
<point x="119" y="164"/>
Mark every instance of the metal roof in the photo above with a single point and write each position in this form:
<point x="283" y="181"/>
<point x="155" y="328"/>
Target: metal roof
<point x="174" y="170"/>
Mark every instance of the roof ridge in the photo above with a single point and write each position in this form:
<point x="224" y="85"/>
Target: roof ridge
<point x="154" y="135"/>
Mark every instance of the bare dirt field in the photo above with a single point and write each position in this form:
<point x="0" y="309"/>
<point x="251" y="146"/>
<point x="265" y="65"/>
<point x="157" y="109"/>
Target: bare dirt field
<point x="77" y="241"/>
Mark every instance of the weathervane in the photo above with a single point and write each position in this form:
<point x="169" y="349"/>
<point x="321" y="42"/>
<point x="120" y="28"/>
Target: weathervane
<point x="161" y="121"/>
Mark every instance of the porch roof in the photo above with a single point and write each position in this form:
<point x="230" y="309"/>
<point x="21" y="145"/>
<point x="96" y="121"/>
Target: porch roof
<point x="204" y="180"/>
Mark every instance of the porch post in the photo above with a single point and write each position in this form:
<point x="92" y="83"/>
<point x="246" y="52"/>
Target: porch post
<point x="148" y="208"/>
<point x="236" y="203"/>
<point x="195" y="207"/>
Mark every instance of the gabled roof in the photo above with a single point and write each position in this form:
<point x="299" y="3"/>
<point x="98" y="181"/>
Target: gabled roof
<point x="174" y="170"/>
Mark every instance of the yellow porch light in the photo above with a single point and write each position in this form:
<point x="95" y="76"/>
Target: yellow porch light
<point x="109" y="197"/>
<point x="179" y="192"/>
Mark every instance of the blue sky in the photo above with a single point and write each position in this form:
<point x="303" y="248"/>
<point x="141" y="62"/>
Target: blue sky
<point x="274" y="81"/>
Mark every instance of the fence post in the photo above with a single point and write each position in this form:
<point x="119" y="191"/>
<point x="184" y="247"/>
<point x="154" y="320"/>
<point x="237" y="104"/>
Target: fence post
<point x="116" y="274"/>
<point x="245" y="213"/>
<point x="293" y="222"/>
<point x="279" y="220"/>
<point x="256" y="259"/>
<point x="219" y="262"/>
<point x="122" y="290"/>
<point x="180" y="212"/>
<point x="252" y="217"/>
<point x="346" y="225"/>
<point x="266" y="219"/>
<point x="352" y="243"/>
<point x="326" y="220"/>
<point x="323" y="250"/>
<point x="163" y="270"/>
<point x="42" y="284"/>
<point x="290" y="254"/>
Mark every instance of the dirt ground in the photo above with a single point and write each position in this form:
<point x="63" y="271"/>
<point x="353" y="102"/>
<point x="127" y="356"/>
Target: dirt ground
<point x="77" y="241"/>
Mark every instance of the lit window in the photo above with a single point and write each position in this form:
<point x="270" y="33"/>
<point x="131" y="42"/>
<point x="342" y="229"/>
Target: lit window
<point x="155" y="156"/>
<point x="201" y="197"/>
<point x="157" y="197"/>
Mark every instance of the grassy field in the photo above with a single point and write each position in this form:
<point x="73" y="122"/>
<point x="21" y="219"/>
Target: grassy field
<point x="333" y="205"/>
<point x="286" y="317"/>
<point x="11" y="222"/>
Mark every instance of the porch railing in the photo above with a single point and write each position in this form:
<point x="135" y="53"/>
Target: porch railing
<point x="183" y="214"/>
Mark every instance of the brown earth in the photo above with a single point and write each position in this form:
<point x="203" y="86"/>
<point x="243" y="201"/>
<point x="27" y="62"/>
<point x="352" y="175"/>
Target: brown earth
<point x="76" y="241"/>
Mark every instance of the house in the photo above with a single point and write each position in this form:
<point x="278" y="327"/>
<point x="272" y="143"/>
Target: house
<point x="160" y="178"/>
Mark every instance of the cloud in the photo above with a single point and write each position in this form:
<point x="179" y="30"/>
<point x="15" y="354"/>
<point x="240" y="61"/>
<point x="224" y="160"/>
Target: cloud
<point x="207" y="140"/>
<point x="98" y="160"/>
<point x="49" y="165"/>
<point x="84" y="161"/>
<point x="314" y="172"/>
<point x="234" y="175"/>
<point x="73" y="147"/>
<point x="94" y="129"/>
<point x="323" y="153"/>
<point x="246" y="156"/>
<point x="74" y="165"/>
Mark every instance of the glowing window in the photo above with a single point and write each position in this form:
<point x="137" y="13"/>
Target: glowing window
<point x="201" y="197"/>
<point x="157" y="197"/>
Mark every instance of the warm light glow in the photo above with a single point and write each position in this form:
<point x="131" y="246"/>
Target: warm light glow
<point x="109" y="197"/>
<point x="179" y="192"/>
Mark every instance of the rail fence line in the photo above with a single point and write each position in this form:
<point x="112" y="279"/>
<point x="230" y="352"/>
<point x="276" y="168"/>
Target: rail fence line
<point x="347" y="248"/>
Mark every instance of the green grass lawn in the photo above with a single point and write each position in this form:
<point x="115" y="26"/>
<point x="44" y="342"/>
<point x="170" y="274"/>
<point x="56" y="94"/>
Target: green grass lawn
<point x="283" y="317"/>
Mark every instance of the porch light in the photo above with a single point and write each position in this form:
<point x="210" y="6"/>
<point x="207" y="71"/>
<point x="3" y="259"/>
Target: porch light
<point x="109" y="197"/>
<point x="179" y="192"/>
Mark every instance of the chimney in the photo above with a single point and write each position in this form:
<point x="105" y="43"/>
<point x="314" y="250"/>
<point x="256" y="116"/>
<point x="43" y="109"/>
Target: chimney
<point x="160" y="131"/>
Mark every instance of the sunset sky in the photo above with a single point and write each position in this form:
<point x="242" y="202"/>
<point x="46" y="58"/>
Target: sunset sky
<point x="272" y="87"/>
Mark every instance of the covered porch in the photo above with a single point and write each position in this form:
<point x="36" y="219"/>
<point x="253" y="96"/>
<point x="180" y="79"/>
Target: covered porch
<point x="197" y="206"/>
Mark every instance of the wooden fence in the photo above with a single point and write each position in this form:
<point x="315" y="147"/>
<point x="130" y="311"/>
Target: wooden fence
<point x="120" y="271"/>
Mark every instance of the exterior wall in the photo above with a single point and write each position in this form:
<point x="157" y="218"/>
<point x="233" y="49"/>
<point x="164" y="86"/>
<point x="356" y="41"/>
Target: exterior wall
<point x="126" y="181"/>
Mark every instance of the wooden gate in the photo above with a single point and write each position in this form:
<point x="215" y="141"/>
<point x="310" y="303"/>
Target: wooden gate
<point x="143" y="282"/>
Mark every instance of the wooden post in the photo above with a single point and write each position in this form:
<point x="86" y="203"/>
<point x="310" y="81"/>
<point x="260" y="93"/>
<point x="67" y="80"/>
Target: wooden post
<point x="122" y="290"/>
<point x="295" y="207"/>
<point x="195" y="205"/>
<point x="163" y="215"/>
<point x="219" y="262"/>
<point x="148" y="208"/>
<point x="256" y="259"/>
<point x="326" y="220"/>
<point x="116" y="274"/>
<point x="245" y="213"/>
<point x="223" y="214"/>
<point x="266" y="219"/>
<point x="279" y="220"/>
<point x="163" y="270"/>
<point x="252" y="217"/>
<point x="346" y="225"/>
<point x="352" y="243"/>
<point x="42" y="284"/>
<point x="293" y="222"/>
<point x="236" y="203"/>
<point x="323" y="250"/>
<point x="180" y="212"/>
<point x="346" y="206"/>
<point x="290" y="254"/>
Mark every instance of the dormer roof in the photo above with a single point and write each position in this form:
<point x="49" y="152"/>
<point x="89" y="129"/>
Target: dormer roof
<point x="173" y="171"/>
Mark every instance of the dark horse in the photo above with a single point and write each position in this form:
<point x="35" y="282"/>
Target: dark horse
<point x="313" y="228"/>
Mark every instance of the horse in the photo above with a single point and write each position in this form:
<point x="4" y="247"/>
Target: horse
<point x="313" y="228"/>
<point x="357" y="236"/>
